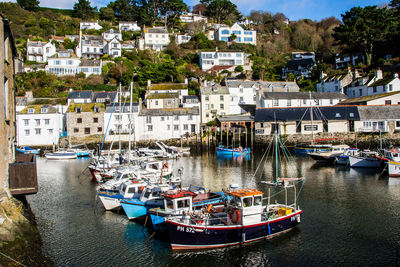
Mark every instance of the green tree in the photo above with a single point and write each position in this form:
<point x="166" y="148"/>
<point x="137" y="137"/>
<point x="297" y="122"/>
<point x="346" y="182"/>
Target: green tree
<point x="31" y="5"/>
<point x="364" y="28"/>
<point x="221" y="10"/>
<point x="107" y="13"/>
<point x="83" y="10"/>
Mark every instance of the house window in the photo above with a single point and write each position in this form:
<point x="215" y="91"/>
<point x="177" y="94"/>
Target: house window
<point x="276" y="102"/>
<point x="316" y="102"/>
<point x="78" y="110"/>
<point x="207" y="115"/>
<point x="221" y="97"/>
<point x="96" y="109"/>
<point x="37" y="122"/>
<point x="43" y="110"/>
<point x="148" y="119"/>
<point x="99" y="129"/>
<point x="190" y="117"/>
<point x="176" y="127"/>
<point x="289" y="102"/>
<point x="241" y="99"/>
<point x="149" y="128"/>
<point x="46" y="121"/>
<point x="185" y="127"/>
<point x="26" y="132"/>
<point x="304" y="101"/>
<point x="118" y="117"/>
<point x="87" y="130"/>
<point x="388" y="102"/>
<point x="76" y="130"/>
<point x="338" y="115"/>
<point x="331" y="101"/>
<point x="31" y="110"/>
<point x="156" y="102"/>
<point x="390" y="87"/>
<point x="207" y="98"/>
<point x="79" y="120"/>
<point x="38" y="131"/>
<point x="168" y="127"/>
<point x="26" y="122"/>
<point x="50" y="131"/>
<point x="207" y="106"/>
<point x="397" y="124"/>
<point x="351" y="115"/>
<point x="162" y="118"/>
<point x="176" y="117"/>
<point x="95" y="120"/>
<point x="221" y="106"/>
<point x="374" y="89"/>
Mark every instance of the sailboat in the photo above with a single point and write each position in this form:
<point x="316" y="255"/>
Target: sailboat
<point x="242" y="220"/>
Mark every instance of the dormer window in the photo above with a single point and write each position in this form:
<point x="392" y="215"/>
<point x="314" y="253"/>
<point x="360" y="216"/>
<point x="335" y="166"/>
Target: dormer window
<point x="43" y="110"/>
<point x="31" y="110"/>
<point x="351" y="115"/>
<point x="97" y="109"/>
<point x="338" y="115"/>
<point x="78" y="110"/>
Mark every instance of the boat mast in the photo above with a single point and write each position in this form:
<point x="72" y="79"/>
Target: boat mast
<point x="119" y="128"/>
<point x="312" y="120"/>
<point x="276" y="150"/>
<point x="130" y="123"/>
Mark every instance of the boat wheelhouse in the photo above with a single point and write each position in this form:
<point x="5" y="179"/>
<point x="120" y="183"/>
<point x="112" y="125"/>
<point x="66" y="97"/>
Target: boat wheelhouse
<point x="365" y="159"/>
<point x="392" y="158"/>
<point x="330" y="154"/>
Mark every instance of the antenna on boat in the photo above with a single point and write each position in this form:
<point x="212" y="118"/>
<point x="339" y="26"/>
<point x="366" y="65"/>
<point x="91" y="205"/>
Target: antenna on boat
<point x="312" y="120"/>
<point x="130" y="124"/>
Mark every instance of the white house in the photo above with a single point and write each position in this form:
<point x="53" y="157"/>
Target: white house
<point x="391" y="98"/>
<point x="120" y="121"/>
<point x="89" y="67"/>
<point x="180" y="89"/>
<point x="182" y="38"/>
<point x="191" y="101"/>
<point x="162" y="100"/>
<point x="210" y="59"/>
<point x="378" y="118"/>
<point x="243" y="36"/>
<point x="241" y="92"/>
<point x="267" y="99"/>
<point x="128" y="26"/>
<point x="64" y="62"/>
<point x="215" y="101"/>
<point x="39" y="125"/>
<point x="192" y="17"/>
<point x="163" y="124"/>
<point x="156" y="38"/>
<point x="79" y="97"/>
<point x="39" y="51"/>
<point x="111" y="34"/>
<point x="335" y="83"/>
<point x="90" y="46"/>
<point x="373" y="85"/>
<point x="128" y="45"/>
<point x="345" y="60"/>
<point x="113" y="48"/>
<point x="90" y="25"/>
<point x="300" y="65"/>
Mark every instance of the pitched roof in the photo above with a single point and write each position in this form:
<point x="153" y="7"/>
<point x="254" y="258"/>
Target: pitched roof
<point x="38" y="109"/>
<point x="273" y="86"/>
<point x="110" y="95"/>
<point x="391" y="112"/>
<point x="168" y="86"/>
<point x="366" y="98"/>
<point x="86" y="107"/>
<point x="169" y="112"/>
<point x="20" y="101"/>
<point x="220" y="67"/>
<point x="382" y="82"/>
<point x="233" y="118"/>
<point x="90" y="63"/>
<point x="124" y="107"/>
<point x="186" y="97"/>
<point x="162" y="95"/>
<point x="303" y="95"/>
<point x="214" y="90"/>
<point x="303" y="113"/>
<point x="300" y="62"/>
<point x="79" y="94"/>
<point x="156" y="30"/>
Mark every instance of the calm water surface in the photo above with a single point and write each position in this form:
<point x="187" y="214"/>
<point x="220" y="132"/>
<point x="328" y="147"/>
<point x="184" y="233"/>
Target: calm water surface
<point x="351" y="217"/>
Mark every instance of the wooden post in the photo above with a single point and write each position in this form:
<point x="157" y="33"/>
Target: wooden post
<point x="240" y="135"/>
<point x="233" y="138"/>
<point x="245" y="133"/>
<point x="227" y="136"/>
<point x="220" y="141"/>
<point x="252" y="136"/>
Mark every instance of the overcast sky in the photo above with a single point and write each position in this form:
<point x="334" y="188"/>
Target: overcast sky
<point x="293" y="9"/>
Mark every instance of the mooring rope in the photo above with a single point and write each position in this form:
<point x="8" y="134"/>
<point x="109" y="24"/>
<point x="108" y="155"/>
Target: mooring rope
<point x="13" y="259"/>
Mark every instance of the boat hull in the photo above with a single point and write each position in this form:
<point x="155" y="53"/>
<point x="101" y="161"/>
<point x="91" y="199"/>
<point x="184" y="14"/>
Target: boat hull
<point x="188" y="237"/>
<point x="60" y="156"/>
<point x="136" y="209"/>
<point x="303" y="150"/>
<point x="232" y="152"/>
<point x="110" y="202"/>
<point x="342" y="160"/>
<point x="357" y="162"/>
<point x="321" y="157"/>
<point x="394" y="169"/>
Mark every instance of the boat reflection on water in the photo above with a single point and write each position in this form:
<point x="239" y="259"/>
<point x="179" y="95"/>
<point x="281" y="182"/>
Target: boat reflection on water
<point x="394" y="181"/>
<point x="238" y="159"/>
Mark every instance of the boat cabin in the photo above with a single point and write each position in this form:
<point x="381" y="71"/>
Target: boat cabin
<point x="340" y="148"/>
<point x="152" y="194"/>
<point x="392" y="154"/>
<point x="132" y="190"/>
<point x="368" y="154"/>
<point x="178" y="201"/>
<point x="246" y="206"/>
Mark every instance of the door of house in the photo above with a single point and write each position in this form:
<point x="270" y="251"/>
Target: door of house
<point x="351" y="126"/>
<point x="193" y="128"/>
<point x="325" y="126"/>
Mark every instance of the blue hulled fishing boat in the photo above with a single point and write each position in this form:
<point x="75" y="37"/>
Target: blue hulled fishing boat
<point x="227" y="151"/>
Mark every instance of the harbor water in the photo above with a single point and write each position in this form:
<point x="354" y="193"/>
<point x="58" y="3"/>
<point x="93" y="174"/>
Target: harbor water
<point x="350" y="217"/>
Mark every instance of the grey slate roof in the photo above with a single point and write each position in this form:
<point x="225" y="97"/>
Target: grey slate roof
<point x="21" y="101"/>
<point x="236" y="118"/>
<point x="156" y="30"/>
<point x="169" y="112"/>
<point x="214" y="90"/>
<point x="186" y="97"/>
<point x="303" y="113"/>
<point x="110" y="95"/>
<point x="303" y="95"/>
<point x="36" y="43"/>
<point x="265" y="85"/>
<point x="300" y="62"/>
<point x="124" y="107"/>
<point x="90" y="63"/>
<point x="79" y="94"/>
<point x="389" y="112"/>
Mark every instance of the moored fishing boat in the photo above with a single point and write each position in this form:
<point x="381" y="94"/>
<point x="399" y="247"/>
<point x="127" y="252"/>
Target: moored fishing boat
<point x="27" y="150"/>
<point x="365" y="159"/>
<point x="242" y="220"/>
<point x="330" y="154"/>
<point x="227" y="151"/>
<point x="61" y="155"/>
<point x="391" y="157"/>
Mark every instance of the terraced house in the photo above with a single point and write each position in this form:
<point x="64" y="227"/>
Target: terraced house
<point x="85" y="119"/>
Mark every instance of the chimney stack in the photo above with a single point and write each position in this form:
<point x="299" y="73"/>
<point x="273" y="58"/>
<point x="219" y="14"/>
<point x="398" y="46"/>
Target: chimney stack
<point x="186" y="81"/>
<point x="148" y="82"/>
